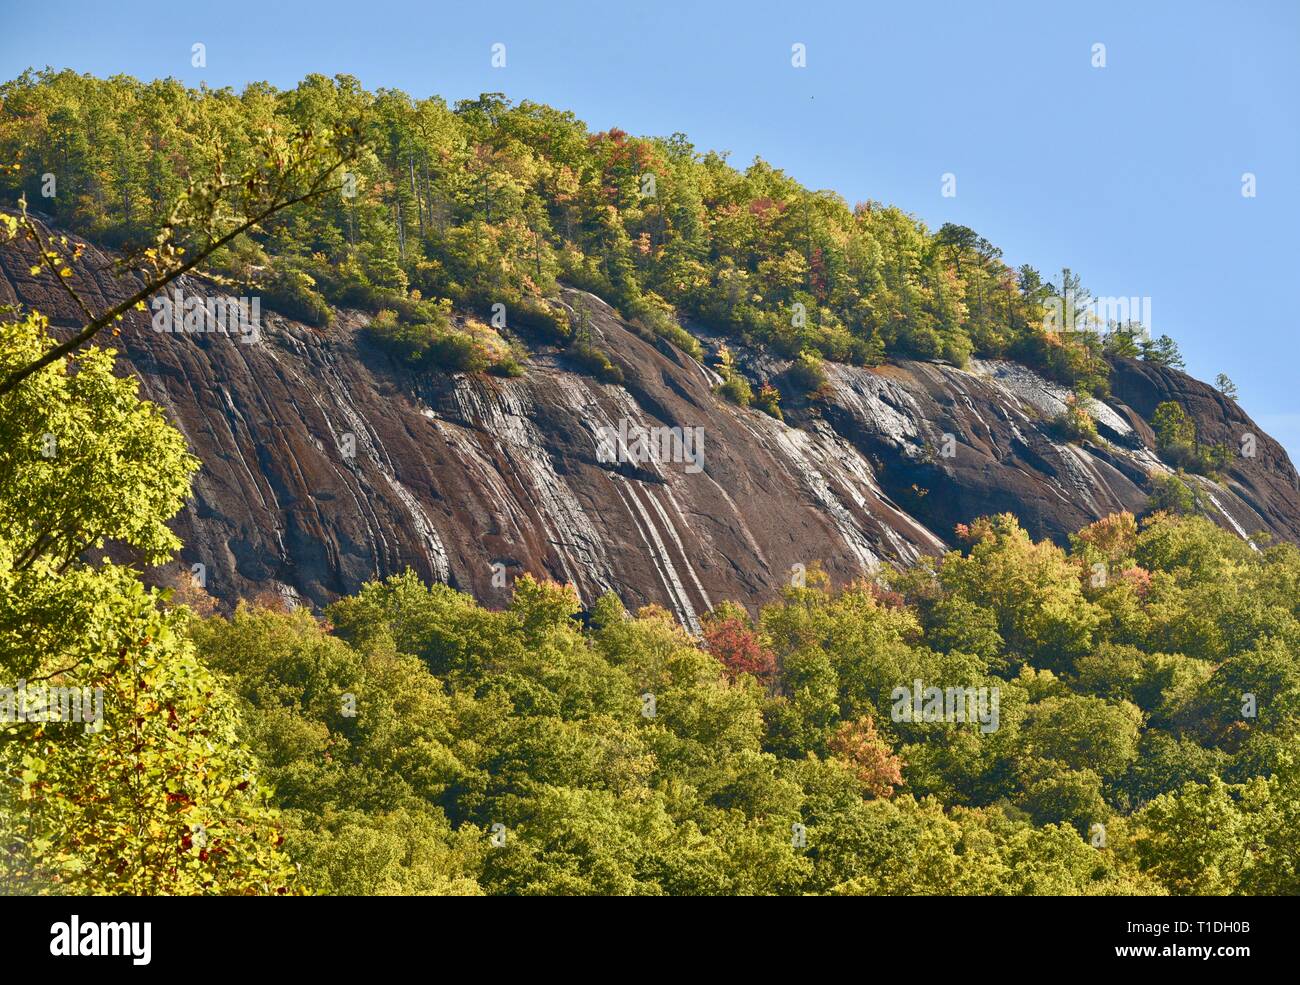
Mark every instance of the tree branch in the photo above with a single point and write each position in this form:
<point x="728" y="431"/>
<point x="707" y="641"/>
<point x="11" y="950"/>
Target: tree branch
<point x="99" y="322"/>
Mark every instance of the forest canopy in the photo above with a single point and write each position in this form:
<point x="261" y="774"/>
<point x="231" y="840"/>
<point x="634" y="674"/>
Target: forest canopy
<point x="1144" y="743"/>
<point x="490" y="202"/>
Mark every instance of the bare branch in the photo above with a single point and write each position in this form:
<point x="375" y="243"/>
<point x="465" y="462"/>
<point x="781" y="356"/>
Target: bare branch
<point x="99" y="322"/>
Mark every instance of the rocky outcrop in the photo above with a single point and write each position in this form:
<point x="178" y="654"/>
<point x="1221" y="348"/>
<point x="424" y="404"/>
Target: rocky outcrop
<point x="1261" y="483"/>
<point x="327" y="463"/>
<point x="952" y="444"/>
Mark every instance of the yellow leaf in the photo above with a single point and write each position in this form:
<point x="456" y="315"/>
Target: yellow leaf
<point x="35" y="270"/>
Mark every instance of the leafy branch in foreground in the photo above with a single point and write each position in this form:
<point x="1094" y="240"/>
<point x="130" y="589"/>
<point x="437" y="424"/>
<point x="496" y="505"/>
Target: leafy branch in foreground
<point x="211" y="213"/>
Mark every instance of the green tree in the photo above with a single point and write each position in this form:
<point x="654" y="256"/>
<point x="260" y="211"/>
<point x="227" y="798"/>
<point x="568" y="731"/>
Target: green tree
<point x="159" y="797"/>
<point x="1226" y="386"/>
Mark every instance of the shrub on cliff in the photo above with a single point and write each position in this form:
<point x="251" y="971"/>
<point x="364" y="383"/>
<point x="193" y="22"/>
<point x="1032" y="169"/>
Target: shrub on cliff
<point x="1179" y="445"/>
<point x="292" y="291"/>
<point x="806" y="375"/>
<point x="1075" y="423"/>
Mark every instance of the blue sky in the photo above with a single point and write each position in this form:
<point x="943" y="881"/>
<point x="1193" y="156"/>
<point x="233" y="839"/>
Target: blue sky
<point x="1130" y="174"/>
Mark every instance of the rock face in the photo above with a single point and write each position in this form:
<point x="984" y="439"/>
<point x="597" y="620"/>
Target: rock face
<point x="326" y="463"/>
<point x="995" y="420"/>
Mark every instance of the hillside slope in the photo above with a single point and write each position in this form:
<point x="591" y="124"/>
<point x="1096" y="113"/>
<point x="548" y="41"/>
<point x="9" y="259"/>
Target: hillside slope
<point x="473" y="480"/>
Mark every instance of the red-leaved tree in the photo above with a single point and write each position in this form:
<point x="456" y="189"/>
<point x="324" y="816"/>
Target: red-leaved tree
<point x="730" y="636"/>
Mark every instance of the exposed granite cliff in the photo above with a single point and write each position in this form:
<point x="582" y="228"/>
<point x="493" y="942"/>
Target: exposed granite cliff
<point x="326" y="463"/>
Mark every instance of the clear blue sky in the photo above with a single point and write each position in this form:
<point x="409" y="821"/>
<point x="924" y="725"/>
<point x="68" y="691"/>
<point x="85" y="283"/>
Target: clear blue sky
<point x="1130" y="174"/>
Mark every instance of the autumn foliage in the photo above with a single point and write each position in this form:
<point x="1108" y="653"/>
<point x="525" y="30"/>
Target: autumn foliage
<point x="876" y="767"/>
<point x="731" y="638"/>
